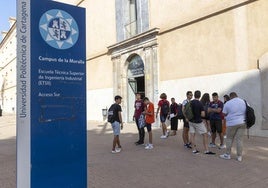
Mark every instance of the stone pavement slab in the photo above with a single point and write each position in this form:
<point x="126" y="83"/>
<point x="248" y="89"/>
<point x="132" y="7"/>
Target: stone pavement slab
<point x="167" y="165"/>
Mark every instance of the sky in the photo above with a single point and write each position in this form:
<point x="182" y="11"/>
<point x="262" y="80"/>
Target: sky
<point x="7" y="9"/>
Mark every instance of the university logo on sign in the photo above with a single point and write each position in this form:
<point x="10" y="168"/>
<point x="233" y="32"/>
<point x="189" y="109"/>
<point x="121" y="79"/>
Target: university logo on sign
<point x="58" y="29"/>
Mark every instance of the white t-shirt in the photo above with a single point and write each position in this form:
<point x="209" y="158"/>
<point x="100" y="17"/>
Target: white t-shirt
<point x="235" y="109"/>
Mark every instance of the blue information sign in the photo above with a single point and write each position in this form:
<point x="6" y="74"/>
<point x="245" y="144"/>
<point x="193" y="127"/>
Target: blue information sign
<point x="51" y="95"/>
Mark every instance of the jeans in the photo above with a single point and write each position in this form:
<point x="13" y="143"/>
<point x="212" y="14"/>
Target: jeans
<point x="141" y="131"/>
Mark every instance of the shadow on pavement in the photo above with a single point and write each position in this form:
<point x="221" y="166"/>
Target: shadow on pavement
<point x="169" y="164"/>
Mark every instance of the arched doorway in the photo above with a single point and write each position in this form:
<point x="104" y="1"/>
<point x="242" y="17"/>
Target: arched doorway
<point x="136" y="82"/>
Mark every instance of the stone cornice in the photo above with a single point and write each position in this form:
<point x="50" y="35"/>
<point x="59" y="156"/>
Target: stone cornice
<point x="9" y="32"/>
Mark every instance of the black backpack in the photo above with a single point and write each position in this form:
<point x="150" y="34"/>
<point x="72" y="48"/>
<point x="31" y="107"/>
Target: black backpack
<point x="165" y="108"/>
<point x="180" y="113"/>
<point x="250" y="116"/>
<point x="111" y="116"/>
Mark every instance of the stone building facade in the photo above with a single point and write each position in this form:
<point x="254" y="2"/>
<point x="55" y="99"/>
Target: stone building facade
<point x="8" y="68"/>
<point x="155" y="46"/>
<point x="213" y="46"/>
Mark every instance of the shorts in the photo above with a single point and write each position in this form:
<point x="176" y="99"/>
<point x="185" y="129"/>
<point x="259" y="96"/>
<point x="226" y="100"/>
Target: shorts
<point x="216" y="125"/>
<point x="149" y="127"/>
<point x="116" y="128"/>
<point x="185" y="123"/>
<point x="197" y="127"/>
<point x="163" y="118"/>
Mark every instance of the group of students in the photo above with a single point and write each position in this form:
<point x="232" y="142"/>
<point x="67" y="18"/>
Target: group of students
<point x="143" y="107"/>
<point x="209" y="119"/>
<point x="170" y="112"/>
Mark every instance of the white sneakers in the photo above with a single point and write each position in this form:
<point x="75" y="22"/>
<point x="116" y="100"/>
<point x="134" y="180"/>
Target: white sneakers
<point x="239" y="158"/>
<point x="163" y="137"/>
<point x="149" y="146"/>
<point x="225" y="156"/>
<point x="212" y="145"/>
<point x="117" y="150"/>
<point x="228" y="156"/>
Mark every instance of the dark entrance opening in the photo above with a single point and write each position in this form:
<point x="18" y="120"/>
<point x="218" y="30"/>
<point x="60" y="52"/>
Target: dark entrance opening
<point x="140" y="86"/>
<point x="136" y="83"/>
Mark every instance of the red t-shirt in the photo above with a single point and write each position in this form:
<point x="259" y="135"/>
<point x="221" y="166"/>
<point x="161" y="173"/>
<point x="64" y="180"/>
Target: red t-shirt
<point x="160" y="104"/>
<point x="139" y="108"/>
<point x="150" y="109"/>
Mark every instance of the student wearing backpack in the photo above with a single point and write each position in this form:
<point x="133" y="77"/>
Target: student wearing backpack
<point x="196" y="124"/>
<point x="163" y="107"/>
<point x="234" y="111"/>
<point x="173" y="117"/>
<point x="115" y="118"/>
<point x="185" y="131"/>
<point x="225" y="99"/>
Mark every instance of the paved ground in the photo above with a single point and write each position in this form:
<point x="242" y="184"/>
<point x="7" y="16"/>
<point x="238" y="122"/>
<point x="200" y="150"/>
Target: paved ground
<point x="167" y="165"/>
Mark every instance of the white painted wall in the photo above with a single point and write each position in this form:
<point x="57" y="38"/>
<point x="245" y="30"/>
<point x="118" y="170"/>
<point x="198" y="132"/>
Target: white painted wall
<point x="96" y="101"/>
<point x="246" y="84"/>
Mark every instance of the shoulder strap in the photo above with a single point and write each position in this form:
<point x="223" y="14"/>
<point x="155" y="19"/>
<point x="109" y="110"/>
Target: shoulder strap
<point x="246" y="117"/>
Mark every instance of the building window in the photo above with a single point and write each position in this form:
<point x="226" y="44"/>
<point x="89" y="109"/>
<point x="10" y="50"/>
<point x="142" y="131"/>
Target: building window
<point x="132" y="18"/>
<point x="131" y="26"/>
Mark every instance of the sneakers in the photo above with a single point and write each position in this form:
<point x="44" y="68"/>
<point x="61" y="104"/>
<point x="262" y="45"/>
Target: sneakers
<point x="118" y="150"/>
<point x="139" y="143"/>
<point x="188" y="146"/>
<point x="209" y="153"/>
<point x="195" y="152"/>
<point x="225" y="156"/>
<point x="167" y="133"/>
<point x="163" y="137"/>
<point x="239" y="158"/>
<point x="149" y="146"/>
<point x="222" y="146"/>
<point x="212" y="145"/>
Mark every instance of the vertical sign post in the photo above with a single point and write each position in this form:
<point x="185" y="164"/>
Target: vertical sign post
<point x="51" y="95"/>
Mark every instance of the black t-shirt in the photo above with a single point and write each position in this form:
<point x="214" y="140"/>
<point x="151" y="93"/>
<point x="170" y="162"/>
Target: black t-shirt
<point x="197" y="107"/>
<point x="116" y="108"/>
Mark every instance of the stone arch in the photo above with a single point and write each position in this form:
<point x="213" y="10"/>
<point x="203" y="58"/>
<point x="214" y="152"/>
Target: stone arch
<point x="135" y="81"/>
